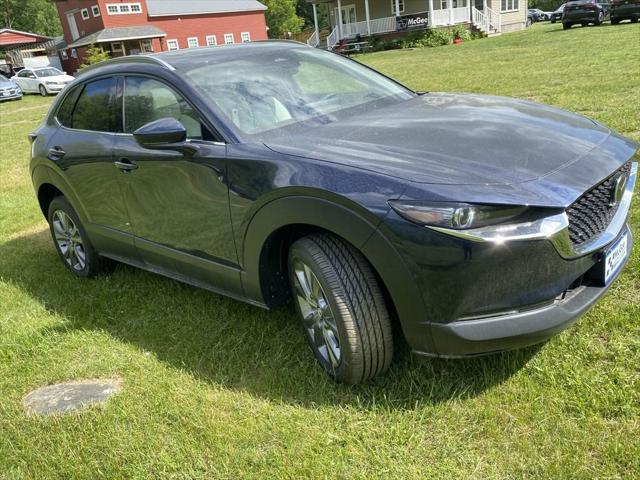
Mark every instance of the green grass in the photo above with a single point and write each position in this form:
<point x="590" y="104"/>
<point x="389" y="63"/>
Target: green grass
<point x="216" y="389"/>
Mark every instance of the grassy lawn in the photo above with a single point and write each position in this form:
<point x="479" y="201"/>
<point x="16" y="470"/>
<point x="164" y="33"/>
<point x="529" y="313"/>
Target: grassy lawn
<point x="213" y="388"/>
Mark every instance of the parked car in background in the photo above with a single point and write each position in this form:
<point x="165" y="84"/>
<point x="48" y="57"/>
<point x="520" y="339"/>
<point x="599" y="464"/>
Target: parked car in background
<point x="9" y="90"/>
<point x="585" y="12"/>
<point x="556" y="15"/>
<point x="536" y="14"/>
<point x="625" y="10"/>
<point x="249" y="170"/>
<point x="44" y="81"/>
<point x="529" y="19"/>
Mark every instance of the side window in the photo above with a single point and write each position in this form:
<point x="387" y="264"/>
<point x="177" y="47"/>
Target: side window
<point x="146" y="100"/>
<point x="95" y="108"/>
<point x="65" y="110"/>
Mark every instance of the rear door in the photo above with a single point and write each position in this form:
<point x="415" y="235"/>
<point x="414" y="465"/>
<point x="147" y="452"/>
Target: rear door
<point x="90" y="118"/>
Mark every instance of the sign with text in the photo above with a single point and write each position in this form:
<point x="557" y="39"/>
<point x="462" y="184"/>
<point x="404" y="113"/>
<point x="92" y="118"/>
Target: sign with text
<point x="413" y="21"/>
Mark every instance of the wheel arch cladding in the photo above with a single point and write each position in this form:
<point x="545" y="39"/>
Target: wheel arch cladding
<point x="278" y="224"/>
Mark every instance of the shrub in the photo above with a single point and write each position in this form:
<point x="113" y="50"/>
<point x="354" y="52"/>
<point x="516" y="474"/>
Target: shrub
<point x="461" y="32"/>
<point x="94" y="54"/>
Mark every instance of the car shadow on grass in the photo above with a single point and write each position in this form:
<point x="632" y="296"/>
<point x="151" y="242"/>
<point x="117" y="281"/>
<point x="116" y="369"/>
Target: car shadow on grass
<point x="231" y="344"/>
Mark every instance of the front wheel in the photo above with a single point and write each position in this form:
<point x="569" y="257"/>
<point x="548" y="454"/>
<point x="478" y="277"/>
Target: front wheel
<point x="566" y="26"/>
<point x="600" y="18"/>
<point x="43" y="90"/>
<point x="72" y="243"/>
<point x="343" y="311"/>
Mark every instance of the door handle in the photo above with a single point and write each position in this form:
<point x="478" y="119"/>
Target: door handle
<point x="56" y="153"/>
<point x="125" y="165"/>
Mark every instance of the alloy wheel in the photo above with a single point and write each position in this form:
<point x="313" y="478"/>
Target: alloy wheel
<point x="317" y="317"/>
<point x="69" y="241"/>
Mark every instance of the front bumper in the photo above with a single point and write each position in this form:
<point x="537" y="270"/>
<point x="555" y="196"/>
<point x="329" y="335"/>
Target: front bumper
<point x="55" y="88"/>
<point x="12" y="96"/>
<point x="520" y="329"/>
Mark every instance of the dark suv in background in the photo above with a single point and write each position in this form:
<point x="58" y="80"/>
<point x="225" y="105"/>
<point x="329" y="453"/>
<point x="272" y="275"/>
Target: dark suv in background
<point x="584" y="12"/>
<point x="625" y="10"/>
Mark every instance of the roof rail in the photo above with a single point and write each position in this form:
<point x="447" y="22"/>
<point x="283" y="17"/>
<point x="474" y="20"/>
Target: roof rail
<point x="128" y="59"/>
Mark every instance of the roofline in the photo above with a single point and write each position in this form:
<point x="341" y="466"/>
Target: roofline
<point x="217" y="12"/>
<point x="31" y="34"/>
<point x="110" y="40"/>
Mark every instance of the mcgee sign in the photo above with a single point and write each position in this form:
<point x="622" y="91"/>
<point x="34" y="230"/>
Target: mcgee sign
<point x="416" y="20"/>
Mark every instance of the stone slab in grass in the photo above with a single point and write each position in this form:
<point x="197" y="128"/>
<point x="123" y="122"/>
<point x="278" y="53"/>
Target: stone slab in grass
<point x="70" y="396"/>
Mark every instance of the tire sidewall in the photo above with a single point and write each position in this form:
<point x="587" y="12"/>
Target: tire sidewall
<point x="337" y="307"/>
<point x="61" y="204"/>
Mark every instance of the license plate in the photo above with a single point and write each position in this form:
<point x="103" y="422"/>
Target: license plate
<point x="614" y="257"/>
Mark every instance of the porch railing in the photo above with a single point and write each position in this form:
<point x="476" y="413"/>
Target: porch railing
<point x="313" y="40"/>
<point x="486" y="20"/>
<point x="439" y="17"/>
<point x="333" y="39"/>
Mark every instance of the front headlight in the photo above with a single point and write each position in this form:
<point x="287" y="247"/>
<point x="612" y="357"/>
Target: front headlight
<point x="456" y="216"/>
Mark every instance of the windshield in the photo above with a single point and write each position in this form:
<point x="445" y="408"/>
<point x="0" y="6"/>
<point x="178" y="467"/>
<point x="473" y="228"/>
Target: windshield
<point x="48" y="72"/>
<point x="262" y="89"/>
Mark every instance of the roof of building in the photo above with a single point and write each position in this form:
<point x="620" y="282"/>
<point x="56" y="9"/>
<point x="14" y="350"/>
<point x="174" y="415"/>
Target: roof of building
<point x="118" y="34"/>
<point x="160" y="8"/>
<point x="10" y="37"/>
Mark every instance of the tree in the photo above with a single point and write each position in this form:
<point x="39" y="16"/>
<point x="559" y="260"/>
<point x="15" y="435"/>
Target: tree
<point x="94" y="54"/>
<point x="36" y="16"/>
<point x="282" y="18"/>
<point x="305" y="10"/>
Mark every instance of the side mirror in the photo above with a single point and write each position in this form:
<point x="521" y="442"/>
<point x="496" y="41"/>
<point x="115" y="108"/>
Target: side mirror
<point x="164" y="134"/>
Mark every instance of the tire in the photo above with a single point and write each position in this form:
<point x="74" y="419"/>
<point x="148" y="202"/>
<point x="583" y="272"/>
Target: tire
<point x="615" y="21"/>
<point x="600" y="19"/>
<point x="72" y="243"/>
<point x="635" y="20"/>
<point x="566" y="26"/>
<point x="43" y="90"/>
<point x="348" y="326"/>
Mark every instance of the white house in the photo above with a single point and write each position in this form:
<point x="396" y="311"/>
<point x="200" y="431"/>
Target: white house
<point x="350" y="18"/>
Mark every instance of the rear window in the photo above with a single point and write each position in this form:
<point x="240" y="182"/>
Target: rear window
<point x="95" y="110"/>
<point x="66" y="107"/>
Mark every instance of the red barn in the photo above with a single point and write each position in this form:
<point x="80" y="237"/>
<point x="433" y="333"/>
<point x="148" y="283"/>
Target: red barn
<point x="124" y="27"/>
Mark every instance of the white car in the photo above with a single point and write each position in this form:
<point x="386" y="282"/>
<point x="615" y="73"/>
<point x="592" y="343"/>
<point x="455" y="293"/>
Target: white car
<point x="44" y="80"/>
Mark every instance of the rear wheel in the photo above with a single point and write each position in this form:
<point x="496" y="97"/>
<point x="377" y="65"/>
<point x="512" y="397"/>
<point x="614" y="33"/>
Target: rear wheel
<point x="615" y="21"/>
<point x="566" y="26"/>
<point x="72" y="242"/>
<point x="342" y="308"/>
<point x="43" y="90"/>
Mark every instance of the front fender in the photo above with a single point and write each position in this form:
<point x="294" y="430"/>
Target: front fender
<point x="353" y="227"/>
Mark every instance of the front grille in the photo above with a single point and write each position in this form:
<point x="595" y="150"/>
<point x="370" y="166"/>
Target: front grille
<point x="591" y="214"/>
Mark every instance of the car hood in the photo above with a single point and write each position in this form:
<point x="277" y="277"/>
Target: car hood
<point x="57" y="78"/>
<point x="455" y="139"/>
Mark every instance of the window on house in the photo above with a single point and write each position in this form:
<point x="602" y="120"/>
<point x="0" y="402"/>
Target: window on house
<point x="146" y="46"/>
<point x="192" y="42"/>
<point x="85" y="13"/>
<point x="63" y="55"/>
<point x="123" y="8"/>
<point x="228" y="38"/>
<point x="95" y="110"/>
<point x="507" y="5"/>
<point x="74" y="53"/>
<point x="95" y="10"/>
<point x="173" y="45"/>
<point x="116" y="47"/>
<point x="211" y="40"/>
<point x="245" y="37"/>
<point x="393" y="6"/>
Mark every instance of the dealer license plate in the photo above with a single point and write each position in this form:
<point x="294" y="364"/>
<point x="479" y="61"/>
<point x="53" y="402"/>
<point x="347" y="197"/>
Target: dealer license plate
<point x="614" y="257"/>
